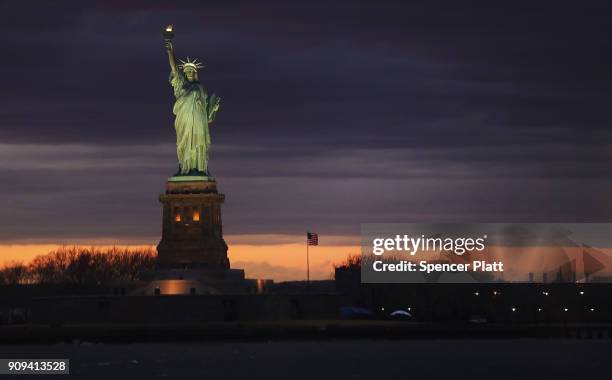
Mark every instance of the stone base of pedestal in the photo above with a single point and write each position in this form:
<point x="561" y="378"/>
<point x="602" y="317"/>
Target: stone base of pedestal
<point x="196" y="282"/>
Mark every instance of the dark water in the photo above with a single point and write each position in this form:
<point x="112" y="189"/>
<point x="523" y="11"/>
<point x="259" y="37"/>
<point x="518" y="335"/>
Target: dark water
<point x="449" y="359"/>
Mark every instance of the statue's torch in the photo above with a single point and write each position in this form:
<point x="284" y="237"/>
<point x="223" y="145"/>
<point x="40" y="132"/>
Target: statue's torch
<point x="168" y="33"/>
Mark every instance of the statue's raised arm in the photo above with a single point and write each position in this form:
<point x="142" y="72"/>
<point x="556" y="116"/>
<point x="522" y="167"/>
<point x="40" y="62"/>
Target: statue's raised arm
<point x="171" y="58"/>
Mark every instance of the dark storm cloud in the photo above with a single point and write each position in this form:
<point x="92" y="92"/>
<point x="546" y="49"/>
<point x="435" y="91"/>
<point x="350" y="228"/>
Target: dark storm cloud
<point x="332" y="114"/>
<point x="53" y="192"/>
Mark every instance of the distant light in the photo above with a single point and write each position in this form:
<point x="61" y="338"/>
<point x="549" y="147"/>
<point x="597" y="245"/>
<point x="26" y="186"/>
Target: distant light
<point x="565" y="309"/>
<point x="169" y="28"/>
<point x="409" y="308"/>
<point x="476" y="293"/>
<point x="513" y="309"/>
<point x="539" y="309"/>
<point x="545" y="293"/>
<point x="592" y="309"/>
<point x="581" y="293"/>
<point x="495" y="292"/>
<point x="382" y="309"/>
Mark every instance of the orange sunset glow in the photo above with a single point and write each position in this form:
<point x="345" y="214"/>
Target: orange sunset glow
<point x="280" y="258"/>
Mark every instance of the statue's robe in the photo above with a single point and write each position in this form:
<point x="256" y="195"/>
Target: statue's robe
<point x="191" y="123"/>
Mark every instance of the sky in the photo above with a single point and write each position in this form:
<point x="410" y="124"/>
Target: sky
<point x="333" y="114"/>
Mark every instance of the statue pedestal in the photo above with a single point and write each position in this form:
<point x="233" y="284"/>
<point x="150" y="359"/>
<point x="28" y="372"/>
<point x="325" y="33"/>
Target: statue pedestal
<point x="192" y="255"/>
<point x="192" y="234"/>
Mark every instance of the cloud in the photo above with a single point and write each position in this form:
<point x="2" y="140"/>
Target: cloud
<point x="102" y="192"/>
<point x="427" y="111"/>
<point x="299" y="76"/>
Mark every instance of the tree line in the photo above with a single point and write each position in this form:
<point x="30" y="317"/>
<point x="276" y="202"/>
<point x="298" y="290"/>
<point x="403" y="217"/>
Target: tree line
<point x="80" y="265"/>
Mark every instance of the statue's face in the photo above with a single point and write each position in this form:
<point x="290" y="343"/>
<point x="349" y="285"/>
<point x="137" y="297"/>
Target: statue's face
<point x="190" y="75"/>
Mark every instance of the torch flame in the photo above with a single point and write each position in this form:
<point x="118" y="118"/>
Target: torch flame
<point x="169" y="28"/>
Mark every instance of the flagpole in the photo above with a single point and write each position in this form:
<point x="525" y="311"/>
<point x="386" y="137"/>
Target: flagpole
<point x="307" y="263"/>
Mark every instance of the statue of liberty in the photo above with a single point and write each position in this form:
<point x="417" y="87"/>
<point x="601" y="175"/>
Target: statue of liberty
<point x="194" y="110"/>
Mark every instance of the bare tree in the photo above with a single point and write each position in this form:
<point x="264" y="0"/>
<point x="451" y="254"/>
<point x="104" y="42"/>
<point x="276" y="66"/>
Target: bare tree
<point x="79" y="265"/>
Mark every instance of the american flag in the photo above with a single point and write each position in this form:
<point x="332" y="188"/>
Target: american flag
<point x="312" y="238"/>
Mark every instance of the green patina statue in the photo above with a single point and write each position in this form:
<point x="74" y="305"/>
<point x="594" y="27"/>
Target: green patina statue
<point x="194" y="110"/>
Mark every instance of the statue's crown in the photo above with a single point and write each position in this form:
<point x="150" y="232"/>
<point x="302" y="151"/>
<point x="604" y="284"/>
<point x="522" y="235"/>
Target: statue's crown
<point x="195" y="64"/>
